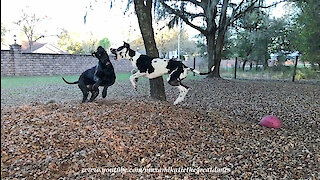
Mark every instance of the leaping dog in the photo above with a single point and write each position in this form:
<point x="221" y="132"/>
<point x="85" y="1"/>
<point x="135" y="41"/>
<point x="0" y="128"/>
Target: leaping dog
<point x="100" y="75"/>
<point x="152" y="67"/>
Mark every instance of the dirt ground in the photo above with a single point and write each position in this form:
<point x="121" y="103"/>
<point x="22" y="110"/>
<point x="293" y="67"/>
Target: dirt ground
<point x="47" y="132"/>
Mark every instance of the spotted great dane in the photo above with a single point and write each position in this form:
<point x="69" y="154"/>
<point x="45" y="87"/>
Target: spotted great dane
<point x="153" y="67"/>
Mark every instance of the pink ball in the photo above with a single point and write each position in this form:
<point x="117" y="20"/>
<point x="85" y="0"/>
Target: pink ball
<point x="271" y="122"/>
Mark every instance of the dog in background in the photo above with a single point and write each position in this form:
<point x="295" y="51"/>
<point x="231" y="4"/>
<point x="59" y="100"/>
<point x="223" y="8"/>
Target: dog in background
<point x="152" y="67"/>
<point x="100" y="75"/>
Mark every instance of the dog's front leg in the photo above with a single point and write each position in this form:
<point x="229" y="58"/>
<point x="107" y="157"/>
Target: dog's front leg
<point x="104" y="92"/>
<point x="134" y="77"/>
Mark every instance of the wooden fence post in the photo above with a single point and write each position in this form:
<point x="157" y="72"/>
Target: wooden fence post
<point x="235" y="68"/>
<point x="295" y="69"/>
<point x="194" y="65"/>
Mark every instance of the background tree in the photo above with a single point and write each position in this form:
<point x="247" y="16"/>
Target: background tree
<point x="90" y="44"/>
<point x="68" y="43"/>
<point x="217" y="20"/>
<point x="29" y="23"/>
<point x="252" y="38"/>
<point x="308" y="33"/>
<point x="138" y="44"/>
<point x="167" y="40"/>
<point x="3" y="33"/>
<point x="105" y="43"/>
<point x="282" y="38"/>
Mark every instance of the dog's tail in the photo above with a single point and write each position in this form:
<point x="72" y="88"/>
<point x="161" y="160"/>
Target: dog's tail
<point x="200" y="73"/>
<point x="70" y="82"/>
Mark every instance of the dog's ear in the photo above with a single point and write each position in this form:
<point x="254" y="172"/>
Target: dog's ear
<point x="126" y="45"/>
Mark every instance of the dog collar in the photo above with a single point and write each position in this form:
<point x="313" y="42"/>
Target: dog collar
<point x="108" y="63"/>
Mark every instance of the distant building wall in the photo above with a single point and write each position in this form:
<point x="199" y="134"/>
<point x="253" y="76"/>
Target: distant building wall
<point x="15" y="63"/>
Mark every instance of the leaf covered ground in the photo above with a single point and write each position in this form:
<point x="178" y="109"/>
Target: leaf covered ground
<point x="54" y="136"/>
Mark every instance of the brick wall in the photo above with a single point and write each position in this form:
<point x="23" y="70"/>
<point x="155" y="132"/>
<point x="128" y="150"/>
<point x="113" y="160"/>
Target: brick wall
<point x="15" y="63"/>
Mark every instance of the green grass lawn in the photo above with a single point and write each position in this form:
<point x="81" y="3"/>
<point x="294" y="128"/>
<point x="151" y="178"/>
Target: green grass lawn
<point x="29" y="81"/>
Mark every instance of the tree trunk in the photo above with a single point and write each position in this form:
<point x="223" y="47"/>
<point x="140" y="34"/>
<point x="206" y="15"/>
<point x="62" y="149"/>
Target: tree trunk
<point x="265" y="65"/>
<point x="144" y="15"/>
<point x="194" y="65"/>
<point x="251" y="64"/>
<point x="295" y="69"/>
<point x="244" y="64"/>
<point x="235" y="68"/>
<point x="211" y="46"/>
<point x="30" y="45"/>
<point x="223" y="21"/>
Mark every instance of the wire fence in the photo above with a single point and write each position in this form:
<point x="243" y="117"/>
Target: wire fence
<point x="281" y="73"/>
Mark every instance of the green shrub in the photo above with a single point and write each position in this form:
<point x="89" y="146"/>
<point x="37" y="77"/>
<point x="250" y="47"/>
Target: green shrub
<point x="306" y="73"/>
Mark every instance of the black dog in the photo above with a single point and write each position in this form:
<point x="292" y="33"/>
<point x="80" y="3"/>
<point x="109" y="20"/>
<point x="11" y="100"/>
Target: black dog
<point x="100" y="75"/>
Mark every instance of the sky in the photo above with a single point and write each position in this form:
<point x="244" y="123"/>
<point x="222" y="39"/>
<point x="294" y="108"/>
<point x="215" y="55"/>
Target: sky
<point x="69" y="14"/>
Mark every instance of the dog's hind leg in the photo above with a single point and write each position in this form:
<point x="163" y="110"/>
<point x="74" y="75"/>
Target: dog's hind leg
<point x="183" y="90"/>
<point x="94" y="94"/>
<point x="84" y="90"/>
<point x="182" y="94"/>
<point x="174" y="79"/>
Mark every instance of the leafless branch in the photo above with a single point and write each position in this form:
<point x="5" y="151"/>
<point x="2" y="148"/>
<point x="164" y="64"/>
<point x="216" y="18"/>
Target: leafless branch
<point x="193" y="1"/>
<point x="274" y="4"/>
<point x="180" y="14"/>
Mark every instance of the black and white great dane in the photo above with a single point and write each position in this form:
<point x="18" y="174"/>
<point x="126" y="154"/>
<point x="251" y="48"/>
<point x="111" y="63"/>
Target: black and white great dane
<point x="153" y="67"/>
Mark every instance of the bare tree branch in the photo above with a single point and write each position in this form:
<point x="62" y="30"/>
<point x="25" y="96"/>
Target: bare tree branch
<point x="242" y="13"/>
<point x="180" y="14"/>
<point x="193" y="1"/>
<point x="274" y="4"/>
<point x="251" y="7"/>
<point x="192" y="15"/>
<point x="237" y="8"/>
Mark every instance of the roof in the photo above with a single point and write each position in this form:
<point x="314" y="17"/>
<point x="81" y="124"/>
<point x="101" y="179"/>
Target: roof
<point x="5" y="47"/>
<point x="42" y="48"/>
